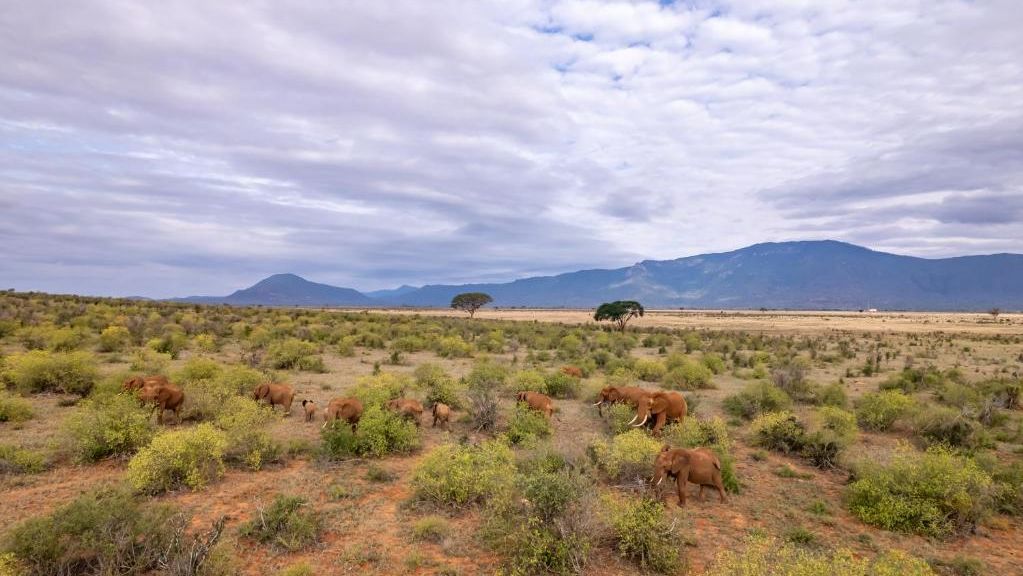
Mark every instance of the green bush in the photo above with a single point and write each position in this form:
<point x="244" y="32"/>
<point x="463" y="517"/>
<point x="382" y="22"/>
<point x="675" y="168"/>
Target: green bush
<point x="688" y="375"/>
<point x="196" y="369"/>
<point x="14" y="409"/>
<point x="458" y="476"/>
<point x="300" y="569"/>
<point x="114" y="339"/>
<point x="628" y="456"/>
<point x="108" y="425"/>
<point x="21" y="461"/>
<point x="756" y="398"/>
<point x="67" y="339"/>
<point x="483" y="383"/>
<point x="1009" y="487"/>
<point x="240" y="379"/>
<point x="294" y="354"/>
<point x="762" y="556"/>
<point x="779" y="431"/>
<point x="289" y="524"/>
<point x="146" y="361"/>
<point x="452" y="347"/>
<point x="618" y="417"/>
<point x="430" y="529"/>
<point x="833" y="395"/>
<point x="936" y="493"/>
<point x="879" y="410"/>
<point x="245" y="422"/>
<point x="437" y="386"/>
<point x="191" y="457"/>
<point x="531" y="380"/>
<point x="100" y="532"/>
<point x="642" y="533"/>
<point x="948" y="426"/>
<point x="378" y="389"/>
<point x="831" y="431"/>
<point x="561" y="385"/>
<point x="649" y="370"/>
<point x="39" y="371"/>
<point x="380" y="432"/>
<point x="171" y="344"/>
<point x="527" y="425"/>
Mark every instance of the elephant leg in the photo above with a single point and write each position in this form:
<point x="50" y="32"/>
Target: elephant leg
<point x="287" y="407"/>
<point x="159" y="415"/>
<point x="681" y="484"/>
<point x="721" y="489"/>
<point x="699" y="496"/>
<point x="659" y="424"/>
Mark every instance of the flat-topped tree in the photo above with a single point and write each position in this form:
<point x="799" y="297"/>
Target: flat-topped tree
<point x="470" y="302"/>
<point x="618" y="312"/>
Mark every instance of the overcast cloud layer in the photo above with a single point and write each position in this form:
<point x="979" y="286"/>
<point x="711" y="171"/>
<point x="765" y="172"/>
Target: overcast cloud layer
<point x="173" y="148"/>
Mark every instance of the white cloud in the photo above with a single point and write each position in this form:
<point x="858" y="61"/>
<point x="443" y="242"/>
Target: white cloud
<point x="192" y="147"/>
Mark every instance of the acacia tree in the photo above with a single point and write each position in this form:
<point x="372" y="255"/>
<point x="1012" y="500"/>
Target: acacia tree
<point x="470" y="302"/>
<point x="994" y="312"/>
<point x="618" y="312"/>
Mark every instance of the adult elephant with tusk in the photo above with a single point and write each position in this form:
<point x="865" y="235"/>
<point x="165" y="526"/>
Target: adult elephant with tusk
<point x="699" y="466"/>
<point x="631" y="395"/>
<point x="665" y="407"/>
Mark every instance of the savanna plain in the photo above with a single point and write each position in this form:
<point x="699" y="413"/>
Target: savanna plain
<point x="848" y="443"/>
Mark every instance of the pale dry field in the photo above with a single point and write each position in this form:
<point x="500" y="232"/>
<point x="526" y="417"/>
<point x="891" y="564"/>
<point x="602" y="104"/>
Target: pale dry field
<point x="772" y="322"/>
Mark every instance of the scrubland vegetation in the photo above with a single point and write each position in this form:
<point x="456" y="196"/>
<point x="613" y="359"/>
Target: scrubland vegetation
<point x="847" y="452"/>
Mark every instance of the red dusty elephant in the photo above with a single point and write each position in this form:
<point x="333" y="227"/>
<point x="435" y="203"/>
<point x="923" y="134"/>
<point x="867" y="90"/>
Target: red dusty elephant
<point x="631" y="395"/>
<point x="665" y="407"/>
<point x="699" y="466"/>
<point x="347" y="409"/>
<point x="407" y="408"/>
<point x="537" y="401"/>
<point x="276" y="395"/>
<point x="163" y="397"/>
<point x="139" y="382"/>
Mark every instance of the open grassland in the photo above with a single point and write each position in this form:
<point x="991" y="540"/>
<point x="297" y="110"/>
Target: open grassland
<point x="854" y="444"/>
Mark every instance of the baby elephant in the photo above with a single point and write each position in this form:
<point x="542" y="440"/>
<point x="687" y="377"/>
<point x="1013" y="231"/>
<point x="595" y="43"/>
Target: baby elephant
<point x="309" y="407"/>
<point x="275" y="394"/>
<point x="442" y="414"/>
<point x="537" y="401"/>
<point x="347" y="409"/>
<point x="406" y="408"/>
<point x="163" y="397"/>
<point x="699" y="466"/>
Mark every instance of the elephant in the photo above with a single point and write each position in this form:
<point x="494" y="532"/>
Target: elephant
<point x="537" y="401"/>
<point x="667" y="407"/>
<point x="163" y="397"/>
<point x="309" y="407"/>
<point x="347" y="409"/>
<point x="699" y="466"/>
<point x="632" y="395"/>
<point x="139" y="382"/>
<point x="442" y="414"/>
<point x="406" y="408"/>
<point x="275" y="394"/>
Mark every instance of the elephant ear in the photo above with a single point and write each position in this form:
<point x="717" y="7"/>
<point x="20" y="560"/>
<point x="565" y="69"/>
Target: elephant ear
<point x="680" y="461"/>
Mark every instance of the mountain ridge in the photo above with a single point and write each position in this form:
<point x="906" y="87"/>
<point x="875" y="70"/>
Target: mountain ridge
<point x="807" y="274"/>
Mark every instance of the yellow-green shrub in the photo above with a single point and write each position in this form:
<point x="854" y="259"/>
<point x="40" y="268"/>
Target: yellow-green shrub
<point x="245" y="422"/>
<point x="642" y="533"/>
<point x="756" y="398"/>
<point x="147" y="362"/>
<point x="108" y="425"/>
<point x="190" y="457"/>
<point x="288" y="524"/>
<point x="114" y="339"/>
<point x="20" y="460"/>
<point x="780" y="431"/>
<point x="294" y="354"/>
<point x="762" y="556"/>
<point x="40" y="371"/>
<point x="14" y="409"/>
<point x="649" y="369"/>
<point x="527" y="425"/>
<point x="688" y="374"/>
<point x="627" y="456"/>
<point x="936" y="493"/>
<point x="458" y="476"/>
<point x="67" y="339"/>
<point x="879" y="410"/>
<point x="438" y="386"/>
<point x="618" y="417"/>
<point x="452" y="347"/>
<point x="377" y="389"/>
<point x="380" y="432"/>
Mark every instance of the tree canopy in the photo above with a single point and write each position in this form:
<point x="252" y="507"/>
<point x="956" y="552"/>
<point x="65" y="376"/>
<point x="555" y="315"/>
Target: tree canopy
<point x="618" y="312"/>
<point x="470" y="302"/>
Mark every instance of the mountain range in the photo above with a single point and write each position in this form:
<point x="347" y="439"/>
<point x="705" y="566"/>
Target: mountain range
<point x="822" y="274"/>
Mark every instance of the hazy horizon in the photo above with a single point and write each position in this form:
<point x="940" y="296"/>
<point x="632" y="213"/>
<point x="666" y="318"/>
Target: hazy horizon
<point x="195" y="148"/>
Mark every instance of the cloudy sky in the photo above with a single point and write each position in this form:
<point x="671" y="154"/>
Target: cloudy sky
<point x="172" y="148"/>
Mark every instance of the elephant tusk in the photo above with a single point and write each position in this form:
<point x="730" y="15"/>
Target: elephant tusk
<point x="633" y="418"/>
<point x="661" y="479"/>
<point x="645" y="418"/>
<point x="598" y="403"/>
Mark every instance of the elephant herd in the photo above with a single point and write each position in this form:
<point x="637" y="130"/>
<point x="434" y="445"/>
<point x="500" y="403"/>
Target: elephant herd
<point x="654" y="408"/>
